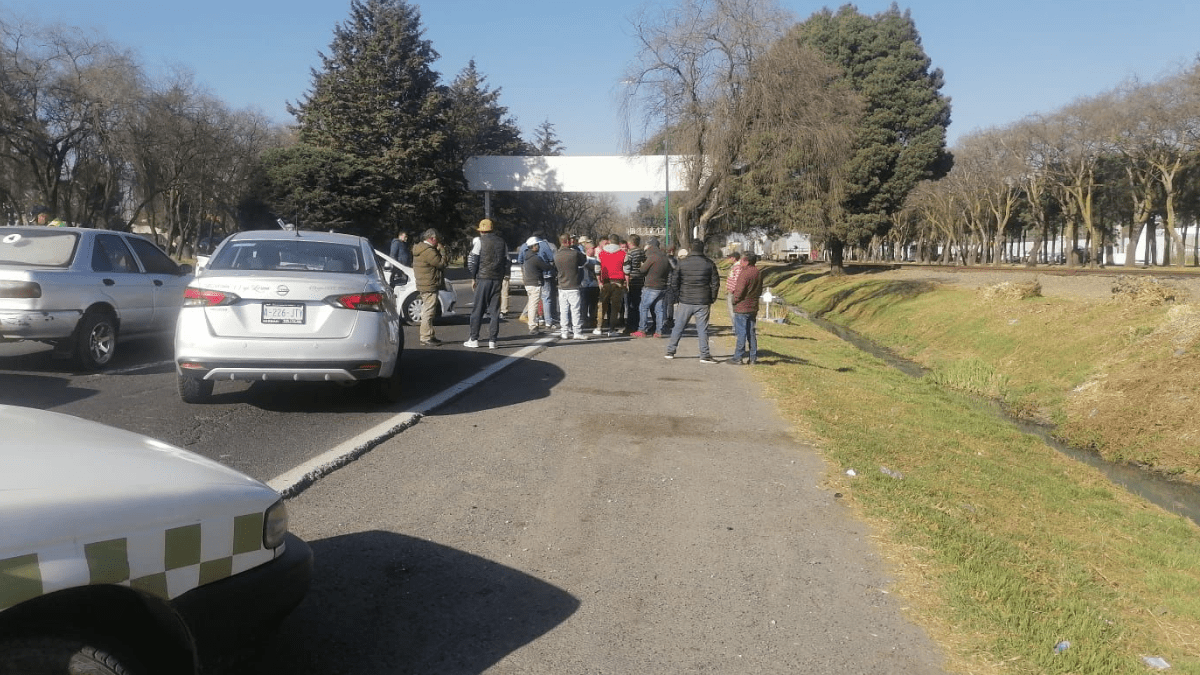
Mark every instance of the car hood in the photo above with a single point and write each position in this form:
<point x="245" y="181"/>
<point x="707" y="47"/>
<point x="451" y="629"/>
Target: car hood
<point x="63" y="477"/>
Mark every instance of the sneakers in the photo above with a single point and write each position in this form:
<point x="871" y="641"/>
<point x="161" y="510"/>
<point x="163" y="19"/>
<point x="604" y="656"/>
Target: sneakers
<point x="432" y="342"/>
<point x="491" y="344"/>
<point x="708" y="359"/>
<point x="564" y="335"/>
<point x="580" y="336"/>
<point x="596" y="332"/>
<point x="637" y="333"/>
<point x="471" y="343"/>
<point x="734" y="362"/>
<point x="658" y="335"/>
<point x="668" y="356"/>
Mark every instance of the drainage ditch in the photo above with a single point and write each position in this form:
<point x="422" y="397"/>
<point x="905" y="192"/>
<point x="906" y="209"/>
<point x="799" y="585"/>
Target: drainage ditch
<point x="1179" y="498"/>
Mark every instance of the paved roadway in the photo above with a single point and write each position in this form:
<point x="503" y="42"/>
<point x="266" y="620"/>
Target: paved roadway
<point x="592" y="508"/>
<point x="595" y="508"/>
<point x="263" y="429"/>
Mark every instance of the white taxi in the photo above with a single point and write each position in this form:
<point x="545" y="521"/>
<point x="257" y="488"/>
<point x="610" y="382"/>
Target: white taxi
<point x="123" y="554"/>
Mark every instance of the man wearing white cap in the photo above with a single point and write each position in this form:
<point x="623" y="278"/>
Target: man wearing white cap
<point x="532" y="270"/>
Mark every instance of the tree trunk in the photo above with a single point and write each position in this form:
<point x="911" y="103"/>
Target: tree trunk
<point x="836" y="266"/>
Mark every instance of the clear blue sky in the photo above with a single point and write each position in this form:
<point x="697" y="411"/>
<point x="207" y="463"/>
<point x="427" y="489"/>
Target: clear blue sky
<point x="562" y="61"/>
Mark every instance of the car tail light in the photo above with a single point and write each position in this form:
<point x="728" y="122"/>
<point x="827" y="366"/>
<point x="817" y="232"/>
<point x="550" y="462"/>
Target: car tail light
<point x="203" y="297"/>
<point x="20" y="289"/>
<point x="363" y="302"/>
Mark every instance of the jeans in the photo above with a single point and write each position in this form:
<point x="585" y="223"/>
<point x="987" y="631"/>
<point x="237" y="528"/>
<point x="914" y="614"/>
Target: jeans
<point x="652" y="299"/>
<point x="570" y="317"/>
<point x="487" y="298"/>
<point x="548" y="298"/>
<point x="589" y="298"/>
<point x="683" y="315"/>
<point x="633" y="301"/>
<point x="745" y="326"/>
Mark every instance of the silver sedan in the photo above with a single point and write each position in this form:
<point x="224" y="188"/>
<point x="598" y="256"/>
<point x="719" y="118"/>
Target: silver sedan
<point x="79" y="289"/>
<point x="289" y="305"/>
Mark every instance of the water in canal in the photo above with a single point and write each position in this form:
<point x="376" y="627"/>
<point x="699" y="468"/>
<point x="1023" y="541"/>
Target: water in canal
<point x="1179" y="498"/>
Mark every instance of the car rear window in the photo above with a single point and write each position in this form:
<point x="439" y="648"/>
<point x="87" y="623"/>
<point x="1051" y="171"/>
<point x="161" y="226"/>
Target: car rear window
<point x="37" y="248"/>
<point x="288" y="255"/>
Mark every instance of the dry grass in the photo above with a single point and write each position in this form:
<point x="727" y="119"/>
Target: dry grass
<point x="1013" y="291"/>
<point x="1143" y="290"/>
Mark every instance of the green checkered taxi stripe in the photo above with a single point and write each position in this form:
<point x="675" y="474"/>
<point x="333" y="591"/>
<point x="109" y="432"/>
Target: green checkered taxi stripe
<point x="162" y="563"/>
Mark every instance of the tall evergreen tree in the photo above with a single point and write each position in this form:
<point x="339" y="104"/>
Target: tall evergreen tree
<point x="901" y="137"/>
<point x="479" y="125"/>
<point x="378" y="99"/>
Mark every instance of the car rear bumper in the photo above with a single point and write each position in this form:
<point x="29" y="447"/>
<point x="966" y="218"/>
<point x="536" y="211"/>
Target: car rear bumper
<point x="308" y="371"/>
<point x="233" y="615"/>
<point x="38" y="325"/>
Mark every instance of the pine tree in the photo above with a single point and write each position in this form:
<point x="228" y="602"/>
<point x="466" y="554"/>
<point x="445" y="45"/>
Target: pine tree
<point x="378" y="99"/>
<point x="479" y="125"/>
<point x="901" y="138"/>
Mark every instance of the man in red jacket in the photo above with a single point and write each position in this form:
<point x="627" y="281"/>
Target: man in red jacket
<point x="612" y="285"/>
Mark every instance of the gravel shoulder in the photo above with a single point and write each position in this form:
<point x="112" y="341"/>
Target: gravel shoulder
<point x="595" y="509"/>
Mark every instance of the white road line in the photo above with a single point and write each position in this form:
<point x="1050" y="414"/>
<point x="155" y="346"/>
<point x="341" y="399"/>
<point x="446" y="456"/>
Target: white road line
<point x="293" y="482"/>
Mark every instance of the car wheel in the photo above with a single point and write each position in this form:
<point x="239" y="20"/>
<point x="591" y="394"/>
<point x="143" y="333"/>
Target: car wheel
<point x="60" y="656"/>
<point x="412" y="308"/>
<point x="388" y="389"/>
<point x="194" y="389"/>
<point x="96" y="340"/>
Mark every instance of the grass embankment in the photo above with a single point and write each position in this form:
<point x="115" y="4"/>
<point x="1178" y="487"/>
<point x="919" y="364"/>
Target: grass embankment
<point x="1003" y="548"/>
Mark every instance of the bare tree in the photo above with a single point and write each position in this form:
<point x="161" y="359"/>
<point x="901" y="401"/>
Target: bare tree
<point x="692" y="71"/>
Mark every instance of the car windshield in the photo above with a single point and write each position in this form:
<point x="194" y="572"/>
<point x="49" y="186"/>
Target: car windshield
<point x="288" y="255"/>
<point x="37" y="248"/>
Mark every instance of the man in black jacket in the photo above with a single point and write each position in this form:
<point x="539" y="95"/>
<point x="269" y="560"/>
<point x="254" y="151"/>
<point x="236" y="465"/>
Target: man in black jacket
<point x="487" y="274"/>
<point x="696" y="283"/>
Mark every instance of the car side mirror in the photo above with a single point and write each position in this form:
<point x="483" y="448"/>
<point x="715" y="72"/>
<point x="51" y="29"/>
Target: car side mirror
<point x="185" y="269"/>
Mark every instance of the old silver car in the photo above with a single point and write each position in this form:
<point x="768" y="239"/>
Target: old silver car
<point x="82" y="290"/>
<point x="123" y="554"/>
<point x="289" y="306"/>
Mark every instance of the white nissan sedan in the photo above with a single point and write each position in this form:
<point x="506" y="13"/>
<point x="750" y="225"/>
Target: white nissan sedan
<point x="123" y="554"/>
<point x="289" y="305"/>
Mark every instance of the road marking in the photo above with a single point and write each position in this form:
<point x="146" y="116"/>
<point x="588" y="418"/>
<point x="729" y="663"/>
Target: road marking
<point x="295" y="481"/>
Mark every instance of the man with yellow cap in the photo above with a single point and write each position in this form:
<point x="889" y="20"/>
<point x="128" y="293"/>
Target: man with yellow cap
<point x="487" y="274"/>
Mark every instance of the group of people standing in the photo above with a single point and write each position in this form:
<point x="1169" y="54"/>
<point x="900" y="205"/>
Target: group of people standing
<point x="613" y="287"/>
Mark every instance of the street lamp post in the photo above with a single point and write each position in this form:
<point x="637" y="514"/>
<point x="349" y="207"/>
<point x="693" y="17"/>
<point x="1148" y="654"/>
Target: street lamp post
<point x="666" y="154"/>
<point x="666" y="167"/>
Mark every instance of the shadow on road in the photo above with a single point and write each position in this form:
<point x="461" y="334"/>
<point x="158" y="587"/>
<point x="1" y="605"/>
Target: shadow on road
<point x="388" y="603"/>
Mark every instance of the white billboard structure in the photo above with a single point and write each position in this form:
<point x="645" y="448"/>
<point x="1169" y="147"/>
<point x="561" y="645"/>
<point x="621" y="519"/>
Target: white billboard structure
<point x="631" y="173"/>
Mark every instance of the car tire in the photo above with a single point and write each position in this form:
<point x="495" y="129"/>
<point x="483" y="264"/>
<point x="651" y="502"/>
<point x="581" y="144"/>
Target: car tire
<point x="411" y="309"/>
<point x="61" y="656"/>
<point x="387" y="390"/>
<point x="194" y="389"/>
<point x="96" y="339"/>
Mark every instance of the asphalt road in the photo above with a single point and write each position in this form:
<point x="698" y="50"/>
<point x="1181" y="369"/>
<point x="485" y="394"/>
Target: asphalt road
<point x="594" y="508"/>
<point x="591" y="508"/>
<point x="262" y="429"/>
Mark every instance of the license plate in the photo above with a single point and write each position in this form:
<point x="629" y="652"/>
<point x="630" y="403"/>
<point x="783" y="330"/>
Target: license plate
<point x="281" y="312"/>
